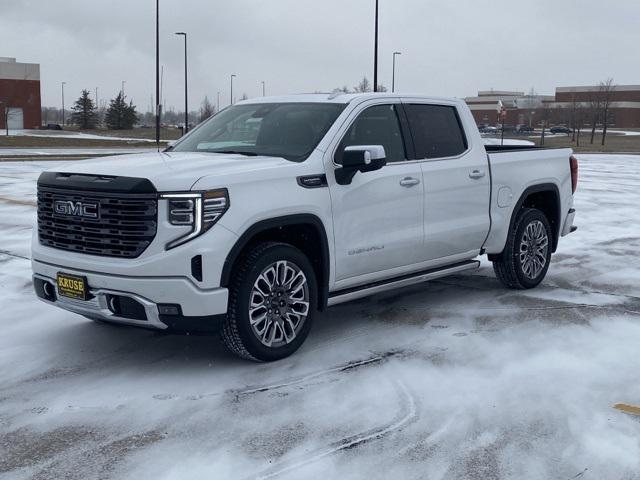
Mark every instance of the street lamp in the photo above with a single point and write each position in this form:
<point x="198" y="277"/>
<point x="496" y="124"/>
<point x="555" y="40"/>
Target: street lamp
<point x="158" y="74"/>
<point x="186" y="101"/>
<point x="232" y="77"/>
<point x="393" y="78"/>
<point x="122" y="88"/>
<point x="63" y="84"/>
<point x="263" y="89"/>
<point x="375" y="54"/>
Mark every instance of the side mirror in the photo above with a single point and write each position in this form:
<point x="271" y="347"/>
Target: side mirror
<point x="360" y="158"/>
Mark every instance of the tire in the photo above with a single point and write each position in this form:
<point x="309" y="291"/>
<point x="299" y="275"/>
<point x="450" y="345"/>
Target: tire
<point x="524" y="262"/>
<point x="278" y="281"/>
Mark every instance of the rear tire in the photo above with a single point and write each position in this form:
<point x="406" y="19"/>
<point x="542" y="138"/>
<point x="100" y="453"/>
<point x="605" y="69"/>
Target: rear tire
<point x="273" y="298"/>
<point x="524" y="262"/>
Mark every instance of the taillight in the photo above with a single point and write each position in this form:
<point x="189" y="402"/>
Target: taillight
<point x="573" y="163"/>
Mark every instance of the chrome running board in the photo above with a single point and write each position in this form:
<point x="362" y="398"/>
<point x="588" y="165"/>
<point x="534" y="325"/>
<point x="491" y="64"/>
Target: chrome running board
<point x="349" y="294"/>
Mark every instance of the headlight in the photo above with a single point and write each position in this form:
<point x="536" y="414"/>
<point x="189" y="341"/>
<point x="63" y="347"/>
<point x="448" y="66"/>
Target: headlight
<point x="200" y="211"/>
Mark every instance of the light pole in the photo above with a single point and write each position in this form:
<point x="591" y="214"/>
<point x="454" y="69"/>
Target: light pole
<point x="263" y="89"/>
<point x="96" y="97"/>
<point x="186" y="101"/>
<point x="158" y="74"/>
<point x="375" y="54"/>
<point x="63" y="84"/>
<point x="232" y="77"/>
<point x="393" y="78"/>
<point x="122" y="88"/>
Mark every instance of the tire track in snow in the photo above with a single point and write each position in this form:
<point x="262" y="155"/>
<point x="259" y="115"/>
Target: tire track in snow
<point x="14" y="255"/>
<point x="377" y="359"/>
<point x="407" y="415"/>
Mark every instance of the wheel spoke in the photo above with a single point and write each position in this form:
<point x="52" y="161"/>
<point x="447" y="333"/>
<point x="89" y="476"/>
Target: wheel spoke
<point x="289" y="329"/>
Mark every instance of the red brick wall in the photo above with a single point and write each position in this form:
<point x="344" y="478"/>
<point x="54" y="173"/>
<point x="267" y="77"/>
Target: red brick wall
<point x="23" y="94"/>
<point x="619" y="117"/>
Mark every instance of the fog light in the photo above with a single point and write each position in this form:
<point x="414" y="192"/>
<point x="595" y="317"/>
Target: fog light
<point x="49" y="291"/>
<point x="44" y="289"/>
<point x="169" y="309"/>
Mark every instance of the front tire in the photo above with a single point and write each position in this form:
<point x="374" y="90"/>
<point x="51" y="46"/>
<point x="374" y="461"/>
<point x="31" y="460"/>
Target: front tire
<point x="272" y="301"/>
<point x="525" y="260"/>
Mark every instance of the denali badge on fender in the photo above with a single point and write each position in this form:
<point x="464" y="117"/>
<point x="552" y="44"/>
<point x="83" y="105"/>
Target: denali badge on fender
<point x="69" y="208"/>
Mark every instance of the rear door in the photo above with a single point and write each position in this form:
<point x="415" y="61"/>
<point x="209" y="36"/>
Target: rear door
<point x="456" y="182"/>
<point x="378" y="216"/>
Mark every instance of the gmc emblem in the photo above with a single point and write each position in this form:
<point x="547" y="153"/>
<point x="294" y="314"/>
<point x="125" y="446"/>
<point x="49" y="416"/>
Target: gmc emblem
<point x="69" y="208"/>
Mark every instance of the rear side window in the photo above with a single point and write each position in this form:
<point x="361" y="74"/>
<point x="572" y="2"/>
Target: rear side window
<point x="437" y="131"/>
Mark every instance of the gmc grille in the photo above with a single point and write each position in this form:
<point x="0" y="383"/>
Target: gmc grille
<point x="125" y="227"/>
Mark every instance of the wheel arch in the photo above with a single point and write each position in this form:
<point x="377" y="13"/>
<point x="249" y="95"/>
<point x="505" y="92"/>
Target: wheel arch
<point x="303" y="231"/>
<point x="546" y="198"/>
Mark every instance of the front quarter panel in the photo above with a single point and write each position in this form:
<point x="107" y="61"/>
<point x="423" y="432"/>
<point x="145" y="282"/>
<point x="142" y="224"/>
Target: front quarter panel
<point x="256" y="196"/>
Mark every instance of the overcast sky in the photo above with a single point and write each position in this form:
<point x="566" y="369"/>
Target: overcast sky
<point x="450" y="48"/>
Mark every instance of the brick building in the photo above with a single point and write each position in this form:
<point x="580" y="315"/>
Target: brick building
<point x="624" y="111"/>
<point x="19" y="94"/>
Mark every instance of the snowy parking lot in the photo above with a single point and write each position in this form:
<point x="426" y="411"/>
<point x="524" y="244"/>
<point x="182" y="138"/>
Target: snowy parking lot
<point x="454" y="379"/>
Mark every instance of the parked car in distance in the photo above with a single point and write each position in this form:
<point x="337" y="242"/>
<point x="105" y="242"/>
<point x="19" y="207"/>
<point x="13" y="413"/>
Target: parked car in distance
<point x="561" y="129"/>
<point x="524" y="129"/>
<point x="278" y="207"/>
<point x="489" y="129"/>
<point x="508" y="128"/>
<point x="51" y="126"/>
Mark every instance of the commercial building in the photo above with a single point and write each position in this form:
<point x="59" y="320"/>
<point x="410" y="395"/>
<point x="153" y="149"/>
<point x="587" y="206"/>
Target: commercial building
<point x="520" y="108"/>
<point x="20" y="105"/>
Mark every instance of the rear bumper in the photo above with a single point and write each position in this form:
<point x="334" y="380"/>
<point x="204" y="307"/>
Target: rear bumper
<point x="568" y="226"/>
<point x="194" y="309"/>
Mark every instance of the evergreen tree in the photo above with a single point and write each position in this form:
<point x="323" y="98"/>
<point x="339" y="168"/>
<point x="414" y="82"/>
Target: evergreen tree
<point x="84" y="112"/>
<point x="121" y="116"/>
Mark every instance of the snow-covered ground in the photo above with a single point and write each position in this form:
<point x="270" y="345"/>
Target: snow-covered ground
<point x="70" y="134"/>
<point x="56" y="152"/>
<point x="454" y="379"/>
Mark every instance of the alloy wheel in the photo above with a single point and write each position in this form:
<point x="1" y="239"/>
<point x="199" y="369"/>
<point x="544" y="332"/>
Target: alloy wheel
<point x="279" y="304"/>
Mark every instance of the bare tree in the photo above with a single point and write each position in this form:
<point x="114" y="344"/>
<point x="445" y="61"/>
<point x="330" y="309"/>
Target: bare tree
<point x="606" y="90"/>
<point x="363" y="86"/>
<point x="206" y="109"/>
<point x="529" y="103"/>
<point x="580" y="114"/>
<point x="545" y="115"/>
<point x="595" y="107"/>
<point x="574" y="112"/>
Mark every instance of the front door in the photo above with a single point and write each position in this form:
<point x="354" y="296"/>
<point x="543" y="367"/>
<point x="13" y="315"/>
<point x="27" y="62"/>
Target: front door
<point x="377" y="217"/>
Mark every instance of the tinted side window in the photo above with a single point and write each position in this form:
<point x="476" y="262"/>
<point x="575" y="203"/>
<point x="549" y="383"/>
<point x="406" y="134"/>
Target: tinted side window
<point x="377" y="125"/>
<point x="437" y="131"/>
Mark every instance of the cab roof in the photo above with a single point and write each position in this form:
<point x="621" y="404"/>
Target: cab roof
<point x="338" y="97"/>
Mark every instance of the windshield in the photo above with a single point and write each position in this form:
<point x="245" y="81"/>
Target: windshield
<point x="288" y="130"/>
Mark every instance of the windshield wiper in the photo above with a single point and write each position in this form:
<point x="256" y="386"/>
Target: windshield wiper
<point x="236" y="152"/>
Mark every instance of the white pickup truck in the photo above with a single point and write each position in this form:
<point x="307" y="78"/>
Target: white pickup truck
<point x="278" y="207"/>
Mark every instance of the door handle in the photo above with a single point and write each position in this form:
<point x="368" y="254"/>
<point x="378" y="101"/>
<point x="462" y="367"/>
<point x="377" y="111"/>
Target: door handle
<point x="476" y="174"/>
<point x="409" y="182"/>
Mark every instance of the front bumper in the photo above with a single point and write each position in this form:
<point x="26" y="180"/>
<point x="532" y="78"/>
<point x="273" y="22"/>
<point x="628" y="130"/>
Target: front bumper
<point x="197" y="307"/>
